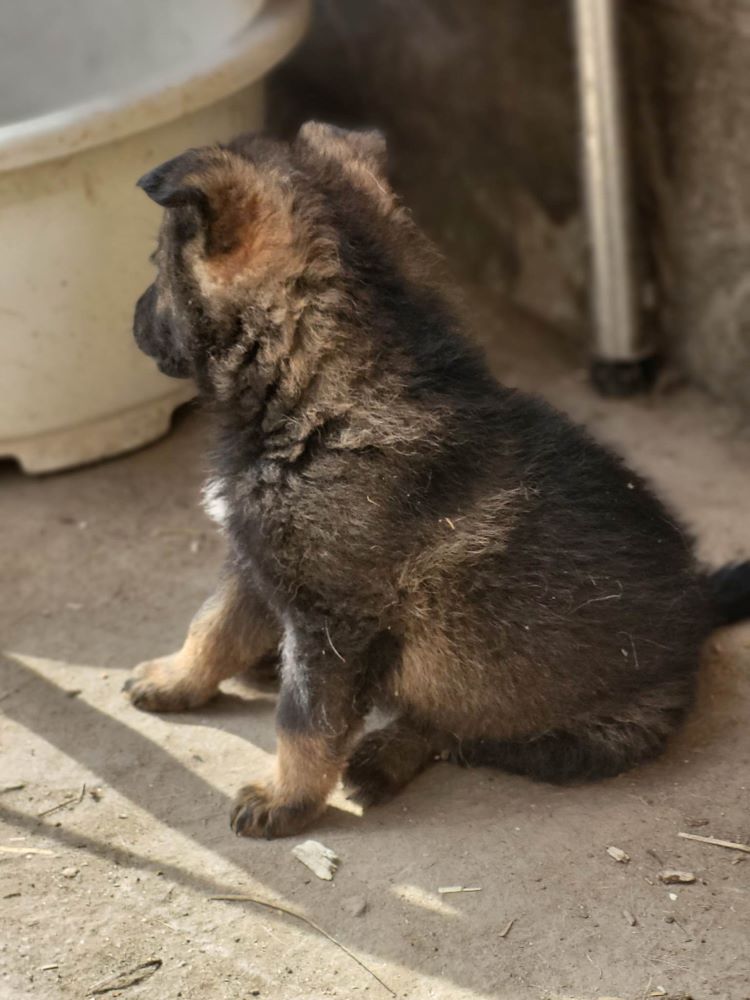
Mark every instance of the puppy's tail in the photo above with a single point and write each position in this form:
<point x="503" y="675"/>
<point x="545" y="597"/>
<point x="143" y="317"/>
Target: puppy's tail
<point x="594" y="748"/>
<point x="730" y="590"/>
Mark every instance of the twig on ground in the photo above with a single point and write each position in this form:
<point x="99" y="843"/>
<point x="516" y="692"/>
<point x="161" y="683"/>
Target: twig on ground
<point x="25" y="850"/>
<point x="73" y="800"/>
<point x="123" y="980"/>
<point x="310" y="923"/>
<point x="716" y="842"/>
<point x="506" y="930"/>
<point x="673" y="920"/>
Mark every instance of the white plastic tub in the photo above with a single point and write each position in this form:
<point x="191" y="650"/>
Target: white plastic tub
<point x="92" y="94"/>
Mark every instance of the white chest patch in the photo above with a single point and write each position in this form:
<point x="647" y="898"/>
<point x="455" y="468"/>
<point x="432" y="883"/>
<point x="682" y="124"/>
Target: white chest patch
<point x="214" y="501"/>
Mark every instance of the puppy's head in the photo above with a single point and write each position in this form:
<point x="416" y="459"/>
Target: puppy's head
<point x="246" y="226"/>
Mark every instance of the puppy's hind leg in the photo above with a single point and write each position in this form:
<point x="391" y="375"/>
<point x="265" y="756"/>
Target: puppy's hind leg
<point x="387" y="759"/>
<point x="231" y="632"/>
<point x="591" y="748"/>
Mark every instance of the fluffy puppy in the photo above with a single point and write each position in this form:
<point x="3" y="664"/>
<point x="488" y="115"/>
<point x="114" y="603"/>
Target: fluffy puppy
<point x="404" y="532"/>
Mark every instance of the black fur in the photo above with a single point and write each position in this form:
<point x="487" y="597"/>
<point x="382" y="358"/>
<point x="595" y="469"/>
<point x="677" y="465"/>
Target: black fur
<point x="730" y="588"/>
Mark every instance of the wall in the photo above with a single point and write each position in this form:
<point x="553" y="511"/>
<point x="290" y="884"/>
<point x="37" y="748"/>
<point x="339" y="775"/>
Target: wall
<point x="478" y="100"/>
<point x="690" y="64"/>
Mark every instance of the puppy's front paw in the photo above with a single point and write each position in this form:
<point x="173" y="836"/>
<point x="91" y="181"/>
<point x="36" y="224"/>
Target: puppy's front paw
<point x="259" y="811"/>
<point x="164" y="685"/>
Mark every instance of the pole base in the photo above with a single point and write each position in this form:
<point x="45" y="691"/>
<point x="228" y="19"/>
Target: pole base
<point x="621" y="379"/>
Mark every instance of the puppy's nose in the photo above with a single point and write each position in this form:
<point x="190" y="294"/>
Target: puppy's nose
<point x="143" y="319"/>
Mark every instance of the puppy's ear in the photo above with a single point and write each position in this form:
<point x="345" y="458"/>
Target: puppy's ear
<point x="174" y="183"/>
<point x="349" y="147"/>
<point x="226" y="190"/>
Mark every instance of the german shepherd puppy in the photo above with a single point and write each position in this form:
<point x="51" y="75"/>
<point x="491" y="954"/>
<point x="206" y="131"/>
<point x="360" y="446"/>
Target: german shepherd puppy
<point x="404" y="533"/>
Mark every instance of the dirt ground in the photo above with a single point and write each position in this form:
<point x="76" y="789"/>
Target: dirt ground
<point x="104" y="566"/>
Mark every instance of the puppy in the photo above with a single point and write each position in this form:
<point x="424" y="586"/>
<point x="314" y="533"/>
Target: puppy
<point x="403" y="532"/>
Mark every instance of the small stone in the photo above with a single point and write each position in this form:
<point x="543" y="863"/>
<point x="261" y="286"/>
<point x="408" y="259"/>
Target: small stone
<point x="673" y="877"/>
<point x="617" y="854"/>
<point x="321" y="860"/>
<point x="69" y="872"/>
<point x="355" y="905"/>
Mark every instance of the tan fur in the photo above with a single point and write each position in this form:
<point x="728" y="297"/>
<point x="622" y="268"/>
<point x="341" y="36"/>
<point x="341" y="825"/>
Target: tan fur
<point x="306" y="772"/>
<point x="429" y="684"/>
<point x="225" y="637"/>
<point x="305" y="767"/>
<point x="478" y="531"/>
<point x="251" y="229"/>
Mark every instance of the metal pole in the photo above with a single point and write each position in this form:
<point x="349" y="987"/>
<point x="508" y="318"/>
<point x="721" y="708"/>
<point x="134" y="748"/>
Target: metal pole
<point x="622" y="350"/>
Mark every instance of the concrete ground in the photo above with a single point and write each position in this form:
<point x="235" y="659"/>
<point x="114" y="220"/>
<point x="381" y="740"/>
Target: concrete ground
<point x="128" y="812"/>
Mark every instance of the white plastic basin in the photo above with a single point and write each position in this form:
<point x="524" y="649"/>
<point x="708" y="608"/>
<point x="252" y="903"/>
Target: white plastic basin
<point x="92" y="94"/>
